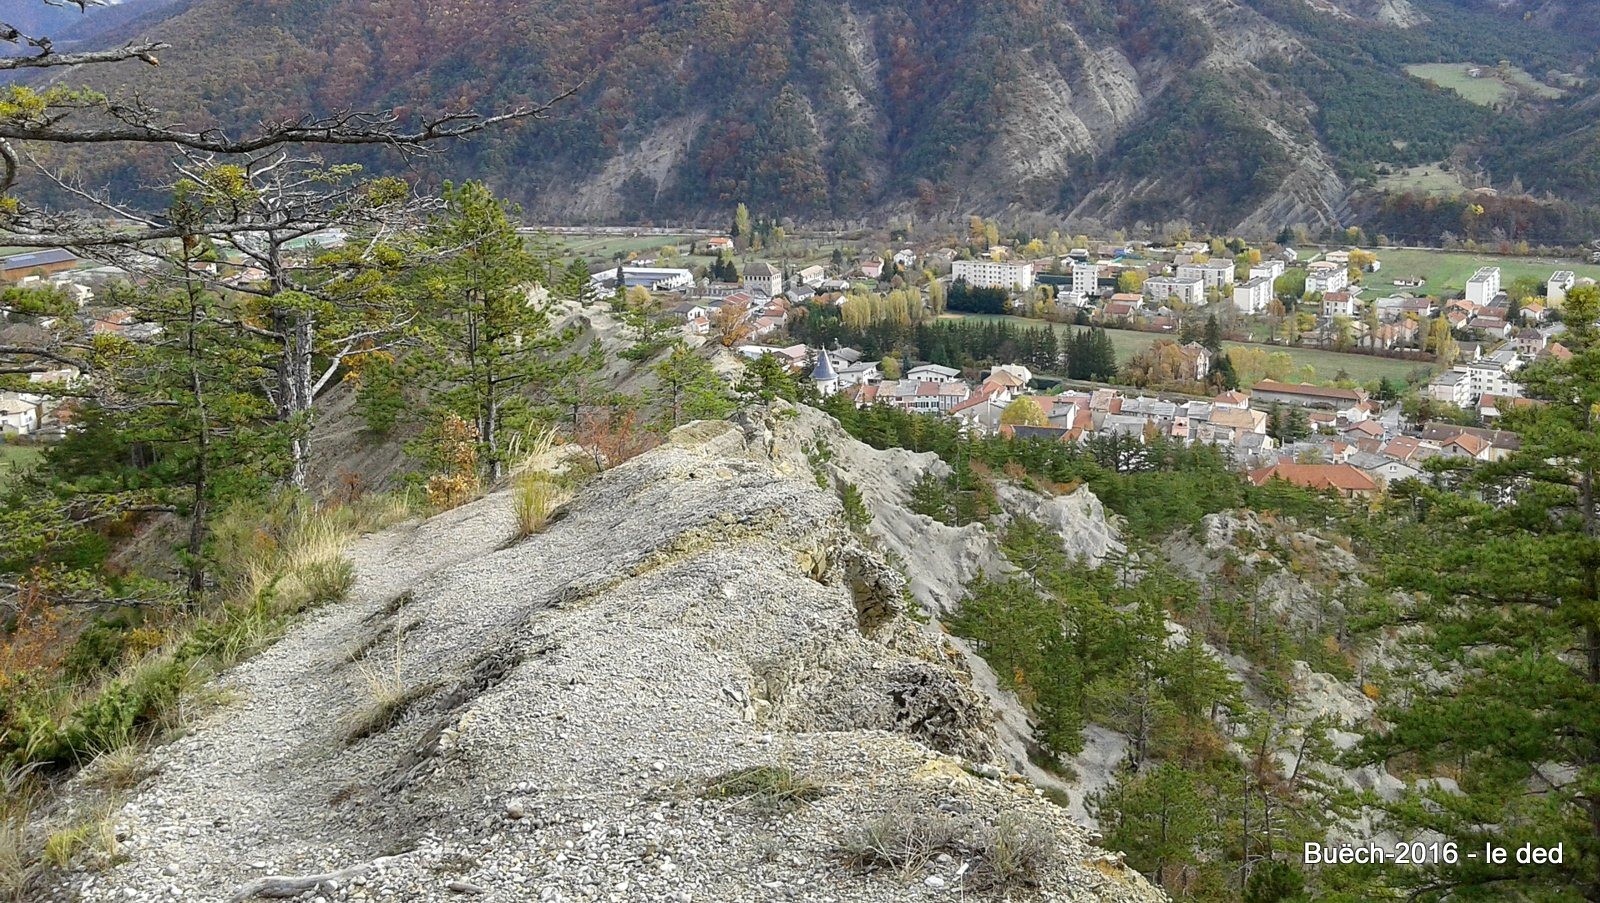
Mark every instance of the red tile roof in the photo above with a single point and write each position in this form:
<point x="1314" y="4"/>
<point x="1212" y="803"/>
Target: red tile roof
<point x="1343" y="477"/>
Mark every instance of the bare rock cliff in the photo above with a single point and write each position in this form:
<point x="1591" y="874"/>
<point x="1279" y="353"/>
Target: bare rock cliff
<point x="697" y="684"/>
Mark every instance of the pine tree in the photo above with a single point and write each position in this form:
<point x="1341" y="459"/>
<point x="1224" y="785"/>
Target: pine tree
<point x="174" y="423"/>
<point x="690" y="389"/>
<point x="765" y="380"/>
<point x="1507" y="576"/>
<point x="486" y="342"/>
<point x="1213" y="335"/>
<point x="1223" y="374"/>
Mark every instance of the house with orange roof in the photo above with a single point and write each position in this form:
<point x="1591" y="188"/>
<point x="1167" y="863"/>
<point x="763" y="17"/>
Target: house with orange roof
<point x="1343" y="480"/>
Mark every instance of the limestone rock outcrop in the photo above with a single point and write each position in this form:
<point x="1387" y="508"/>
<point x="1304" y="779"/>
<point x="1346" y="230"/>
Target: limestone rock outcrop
<point x="562" y="717"/>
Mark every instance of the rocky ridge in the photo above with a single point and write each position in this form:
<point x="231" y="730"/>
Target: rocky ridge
<point x="543" y="719"/>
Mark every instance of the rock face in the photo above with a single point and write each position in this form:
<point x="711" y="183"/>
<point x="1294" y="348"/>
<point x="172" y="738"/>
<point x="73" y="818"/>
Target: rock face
<point x="941" y="560"/>
<point x="541" y="720"/>
<point x="828" y="112"/>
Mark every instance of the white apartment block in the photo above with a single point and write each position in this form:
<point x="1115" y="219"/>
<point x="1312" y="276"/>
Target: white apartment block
<point x="1555" y="291"/>
<point x="1086" y="278"/>
<point x="1191" y="291"/>
<point x="1253" y="296"/>
<point x="993" y="273"/>
<point x="1451" y="387"/>
<point x="1327" y="277"/>
<point x="1483" y="285"/>
<point x="1214" y="273"/>
<point x="1492" y="375"/>
<point x="1271" y="269"/>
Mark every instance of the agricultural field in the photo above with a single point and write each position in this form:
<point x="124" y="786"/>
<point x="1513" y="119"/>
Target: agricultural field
<point x="1324" y="365"/>
<point x="1485" y="91"/>
<point x="1490" y="89"/>
<point x="1428" y="178"/>
<point x="604" y="247"/>
<point x="1447" y="272"/>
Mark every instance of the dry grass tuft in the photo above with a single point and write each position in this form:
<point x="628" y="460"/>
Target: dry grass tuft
<point x="1010" y="855"/>
<point x="388" y="695"/>
<point x="768" y="787"/>
<point x="95" y="835"/>
<point x="902" y="839"/>
<point x="1013" y="854"/>
<point x="119" y="769"/>
<point x="534" y="498"/>
<point x="536" y="493"/>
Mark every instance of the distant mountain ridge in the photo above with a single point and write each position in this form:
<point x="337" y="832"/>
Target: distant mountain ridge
<point x="1239" y="114"/>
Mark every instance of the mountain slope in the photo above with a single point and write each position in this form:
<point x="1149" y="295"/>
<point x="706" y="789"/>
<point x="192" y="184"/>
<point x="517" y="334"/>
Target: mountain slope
<point x="1225" y="112"/>
<point x="569" y="703"/>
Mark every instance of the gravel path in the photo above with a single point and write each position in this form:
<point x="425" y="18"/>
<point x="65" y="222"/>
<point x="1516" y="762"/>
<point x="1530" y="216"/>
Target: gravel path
<point x="556" y="709"/>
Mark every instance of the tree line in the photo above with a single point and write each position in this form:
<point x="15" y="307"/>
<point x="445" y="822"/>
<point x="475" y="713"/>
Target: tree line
<point x="966" y="344"/>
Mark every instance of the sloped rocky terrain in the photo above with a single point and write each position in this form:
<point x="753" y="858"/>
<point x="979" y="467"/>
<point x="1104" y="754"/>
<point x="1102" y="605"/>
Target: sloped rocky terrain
<point x="569" y="717"/>
<point x="1238" y="114"/>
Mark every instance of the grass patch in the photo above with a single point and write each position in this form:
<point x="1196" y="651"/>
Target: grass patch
<point x="388" y="696"/>
<point x="16" y="458"/>
<point x="1429" y="178"/>
<point x="902" y="840"/>
<point x="536" y="492"/>
<point x="1447" y="272"/>
<point x="769" y="787"/>
<point x="94" y="835"/>
<point x="1485" y="91"/>
<point x="1008" y="856"/>
<point x="1325" y="365"/>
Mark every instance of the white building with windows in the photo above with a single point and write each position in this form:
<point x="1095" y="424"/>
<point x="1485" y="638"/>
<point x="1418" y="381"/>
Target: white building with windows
<point x="1191" y="291"/>
<point x="1340" y="304"/>
<point x="1214" y="273"/>
<point x="18" y="415"/>
<point x="994" y="273"/>
<point x="1451" y="387"/>
<point x="762" y="279"/>
<point x="1492" y="374"/>
<point x="1555" y="291"/>
<point x="933" y="373"/>
<point x="655" y="279"/>
<point x="1271" y="269"/>
<point x="1326" y="277"/>
<point x="1253" y="296"/>
<point x="1086" y="278"/>
<point x="1484" y="285"/>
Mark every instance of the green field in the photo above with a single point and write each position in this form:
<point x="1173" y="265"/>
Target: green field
<point x="14" y="458"/>
<point x="1362" y="368"/>
<point x="604" y="247"/>
<point x="1527" y="84"/>
<point x="1427" y="179"/>
<point x="1490" y="88"/>
<point x="1447" y="272"/>
<point x="1486" y="91"/>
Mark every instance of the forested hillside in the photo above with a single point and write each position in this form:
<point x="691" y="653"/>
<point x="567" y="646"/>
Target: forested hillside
<point x="1252" y="113"/>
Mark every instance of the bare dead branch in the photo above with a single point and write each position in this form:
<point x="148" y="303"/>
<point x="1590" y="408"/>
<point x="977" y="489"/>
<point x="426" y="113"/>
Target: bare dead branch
<point x="143" y="51"/>
<point x="136" y="125"/>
